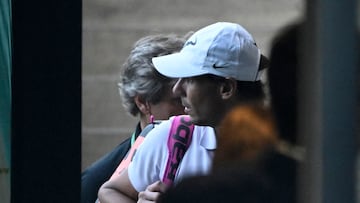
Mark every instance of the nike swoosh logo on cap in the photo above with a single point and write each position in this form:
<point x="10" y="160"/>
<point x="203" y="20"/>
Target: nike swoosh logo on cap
<point x="216" y="67"/>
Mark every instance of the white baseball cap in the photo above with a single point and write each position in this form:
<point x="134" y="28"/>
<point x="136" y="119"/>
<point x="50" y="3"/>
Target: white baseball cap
<point x="223" y="49"/>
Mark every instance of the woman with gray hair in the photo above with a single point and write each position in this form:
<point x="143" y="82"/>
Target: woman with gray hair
<point x="145" y="94"/>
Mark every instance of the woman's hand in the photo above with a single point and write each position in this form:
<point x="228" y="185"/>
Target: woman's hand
<point x="152" y="192"/>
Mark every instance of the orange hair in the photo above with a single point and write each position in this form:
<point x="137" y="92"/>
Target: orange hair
<point x="245" y="132"/>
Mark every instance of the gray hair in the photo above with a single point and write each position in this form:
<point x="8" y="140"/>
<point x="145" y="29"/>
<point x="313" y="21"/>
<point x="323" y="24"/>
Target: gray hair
<point x="139" y="76"/>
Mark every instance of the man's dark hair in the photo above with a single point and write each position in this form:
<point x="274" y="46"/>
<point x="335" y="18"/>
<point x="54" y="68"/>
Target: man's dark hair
<point x="253" y="91"/>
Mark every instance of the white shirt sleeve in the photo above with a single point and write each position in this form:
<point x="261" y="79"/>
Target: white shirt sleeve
<point x="148" y="163"/>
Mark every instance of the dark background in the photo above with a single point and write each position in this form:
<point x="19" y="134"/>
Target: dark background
<point x="46" y="101"/>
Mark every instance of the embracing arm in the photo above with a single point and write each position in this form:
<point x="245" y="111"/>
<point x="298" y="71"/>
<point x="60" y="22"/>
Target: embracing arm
<point x="143" y="171"/>
<point x="118" y="189"/>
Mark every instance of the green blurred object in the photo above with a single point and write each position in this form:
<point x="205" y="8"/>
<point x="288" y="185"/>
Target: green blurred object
<point x="5" y="98"/>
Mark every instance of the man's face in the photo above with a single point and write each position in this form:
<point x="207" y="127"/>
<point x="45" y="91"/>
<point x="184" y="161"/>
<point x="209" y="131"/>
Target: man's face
<point x="201" y="99"/>
<point x="170" y="105"/>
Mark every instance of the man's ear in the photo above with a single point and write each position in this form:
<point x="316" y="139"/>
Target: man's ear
<point x="143" y="106"/>
<point x="228" y="88"/>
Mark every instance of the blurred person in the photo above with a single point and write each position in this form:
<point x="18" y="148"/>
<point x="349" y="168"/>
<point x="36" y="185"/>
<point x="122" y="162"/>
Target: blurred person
<point x="219" y="67"/>
<point x="145" y="94"/>
<point x="283" y="74"/>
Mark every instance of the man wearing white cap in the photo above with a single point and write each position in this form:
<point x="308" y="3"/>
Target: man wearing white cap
<point x="219" y="67"/>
